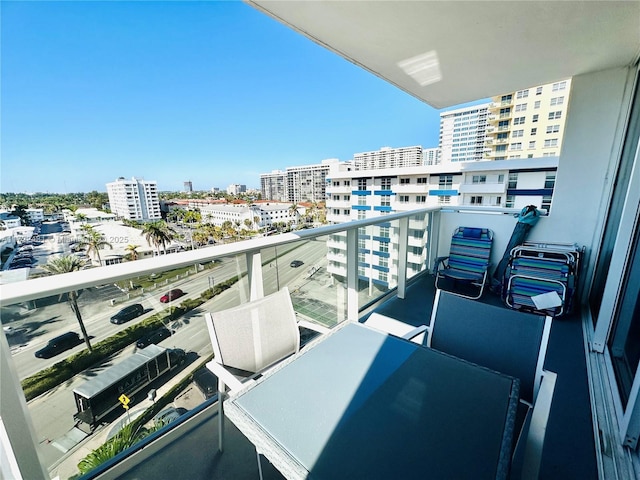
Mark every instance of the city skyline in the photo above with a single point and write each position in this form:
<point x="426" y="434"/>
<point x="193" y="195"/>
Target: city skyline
<point x="212" y="92"/>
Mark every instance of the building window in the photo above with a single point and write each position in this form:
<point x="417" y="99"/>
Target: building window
<point x="362" y="200"/>
<point x="385" y="183"/>
<point x="539" y="91"/>
<point x="403" y="198"/>
<point x="517" y="133"/>
<point x="509" y="201"/>
<point x="382" y="276"/>
<point x="536" y="104"/>
<point x="550" y="180"/>
<point x="423" y="180"/>
<point x="479" y="179"/>
<point x="347" y="183"/>
<point x="362" y="215"/>
<point x="385" y="200"/>
<point x="336" y="198"/>
<point x="522" y="94"/>
<point x="501" y="148"/>
<point x="384" y="232"/>
<point x="347" y="197"/>
<point x="405" y="181"/>
<point x="476" y="200"/>
<point x="421" y="199"/>
<point x="521" y="107"/>
<point x="552" y="142"/>
<point x="336" y="211"/>
<point x="383" y="247"/>
<point x="549" y="154"/>
<point x="559" y="86"/>
<point x="502" y="136"/>
<point x="445" y="181"/>
<point x="535" y="118"/>
<point x="516" y="146"/>
<point x="532" y="144"/>
<point x="546" y="203"/>
<point x="346" y="212"/>
<point x="501" y="178"/>
<point x="498" y="200"/>
<point x="534" y="131"/>
<point x="555" y="115"/>
<point x="362" y="184"/>
<point x="518" y="121"/>
<point x="513" y="181"/>
<point x="362" y="244"/>
<point x="336" y="184"/>
<point x="553" y="128"/>
<point x="557" y="101"/>
<point x="444" y="200"/>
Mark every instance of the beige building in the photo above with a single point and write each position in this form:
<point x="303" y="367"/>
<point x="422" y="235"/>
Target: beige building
<point x="528" y="123"/>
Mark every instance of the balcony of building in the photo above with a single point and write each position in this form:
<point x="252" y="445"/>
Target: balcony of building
<point x="263" y="266"/>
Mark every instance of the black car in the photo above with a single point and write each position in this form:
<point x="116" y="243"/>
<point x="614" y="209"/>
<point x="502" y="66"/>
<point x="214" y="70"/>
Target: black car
<point x="58" y="345"/>
<point x="153" y="337"/>
<point x="296" y="263"/>
<point x="206" y="382"/>
<point x="127" y="313"/>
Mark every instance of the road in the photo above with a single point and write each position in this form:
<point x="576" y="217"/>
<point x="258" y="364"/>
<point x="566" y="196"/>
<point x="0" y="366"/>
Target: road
<point x="52" y="413"/>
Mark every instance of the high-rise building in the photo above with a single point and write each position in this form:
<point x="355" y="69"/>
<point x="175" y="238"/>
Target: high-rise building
<point x="273" y="185"/>
<point x="388" y="157"/>
<point x="134" y="199"/>
<point x="236" y="188"/>
<point x="528" y="123"/>
<point x="462" y="134"/>
<point x="188" y="186"/>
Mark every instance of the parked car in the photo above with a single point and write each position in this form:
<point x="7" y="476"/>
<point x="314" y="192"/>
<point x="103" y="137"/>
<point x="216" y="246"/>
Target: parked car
<point x="171" y="295"/>
<point x="153" y="337"/>
<point x="127" y="313"/>
<point x="296" y="263"/>
<point x="168" y="415"/>
<point x="206" y="382"/>
<point x="59" y="344"/>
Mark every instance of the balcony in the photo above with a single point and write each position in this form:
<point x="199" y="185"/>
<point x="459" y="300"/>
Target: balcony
<point x="263" y="266"/>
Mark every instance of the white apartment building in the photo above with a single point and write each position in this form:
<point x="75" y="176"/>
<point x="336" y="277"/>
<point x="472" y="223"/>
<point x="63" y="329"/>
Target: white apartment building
<point x="388" y="157"/>
<point x="431" y="156"/>
<point x="528" y="123"/>
<point x="35" y="214"/>
<point x="236" y="188"/>
<point x="273" y="185"/>
<point x="297" y="184"/>
<point x="462" y="134"/>
<point x="134" y="199"/>
<point x="360" y="194"/>
<point x="238" y="214"/>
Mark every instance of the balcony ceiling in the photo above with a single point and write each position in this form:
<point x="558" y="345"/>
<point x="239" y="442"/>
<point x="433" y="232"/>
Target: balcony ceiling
<point x="461" y="51"/>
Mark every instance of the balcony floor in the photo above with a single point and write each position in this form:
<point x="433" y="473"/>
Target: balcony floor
<point x="569" y="451"/>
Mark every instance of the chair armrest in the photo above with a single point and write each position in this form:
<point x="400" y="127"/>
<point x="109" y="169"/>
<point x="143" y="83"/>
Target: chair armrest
<point x="224" y="375"/>
<point x="438" y="261"/>
<point x="538" y="426"/>
<point x="417" y="334"/>
<point x="313" y="326"/>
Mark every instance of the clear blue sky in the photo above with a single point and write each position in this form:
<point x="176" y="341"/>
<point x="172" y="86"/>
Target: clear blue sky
<point x="212" y="92"/>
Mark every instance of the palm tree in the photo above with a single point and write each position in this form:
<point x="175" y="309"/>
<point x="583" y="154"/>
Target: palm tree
<point x="133" y="251"/>
<point x="158" y="233"/>
<point x="256" y="222"/>
<point x="67" y="264"/>
<point x="93" y="241"/>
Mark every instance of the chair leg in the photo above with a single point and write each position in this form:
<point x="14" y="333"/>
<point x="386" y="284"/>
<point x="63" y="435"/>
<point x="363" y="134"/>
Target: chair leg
<point x="259" y="464"/>
<point x="220" y="419"/>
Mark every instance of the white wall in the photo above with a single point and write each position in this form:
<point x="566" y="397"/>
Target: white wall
<point x="598" y="109"/>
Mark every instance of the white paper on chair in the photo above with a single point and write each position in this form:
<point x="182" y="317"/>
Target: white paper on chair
<point x="547" y="300"/>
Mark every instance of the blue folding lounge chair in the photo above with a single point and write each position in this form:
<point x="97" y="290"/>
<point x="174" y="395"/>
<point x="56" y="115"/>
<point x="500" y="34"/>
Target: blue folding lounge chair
<point x="468" y="261"/>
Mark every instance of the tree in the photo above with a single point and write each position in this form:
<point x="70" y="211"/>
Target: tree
<point x="248" y="222"/>
<point x="133" y="251"/>
<point x="158" y="233"/>
<point x="93" y="241"/>
<point x="67" y="264"/>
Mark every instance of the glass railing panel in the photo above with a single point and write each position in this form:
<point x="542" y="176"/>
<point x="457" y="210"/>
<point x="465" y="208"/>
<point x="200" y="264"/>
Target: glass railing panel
<point x="418" y="244"/>
<point x="121" y="318"/>
<point x="377" y="260"/>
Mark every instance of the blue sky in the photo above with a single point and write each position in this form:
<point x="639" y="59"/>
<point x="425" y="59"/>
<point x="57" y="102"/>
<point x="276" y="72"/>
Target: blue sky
<point x="212" y="92"/>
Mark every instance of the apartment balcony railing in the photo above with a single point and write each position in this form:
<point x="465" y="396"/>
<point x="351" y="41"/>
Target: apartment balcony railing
<point x="327" y="288"/>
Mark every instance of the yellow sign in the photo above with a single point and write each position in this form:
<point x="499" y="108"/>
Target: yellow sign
<point x="124" y="400"/>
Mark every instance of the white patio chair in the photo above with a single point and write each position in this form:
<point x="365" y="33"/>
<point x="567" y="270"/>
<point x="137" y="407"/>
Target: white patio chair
<point x="396" y="327"/>
<point x="249" y="339"/>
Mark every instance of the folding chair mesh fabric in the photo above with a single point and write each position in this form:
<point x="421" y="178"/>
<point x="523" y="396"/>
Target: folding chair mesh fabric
<point x="257" y="334"/>
<point x="498" y="338"/>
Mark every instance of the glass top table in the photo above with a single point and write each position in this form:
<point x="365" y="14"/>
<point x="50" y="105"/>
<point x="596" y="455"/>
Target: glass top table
<point x="364" y="404"/>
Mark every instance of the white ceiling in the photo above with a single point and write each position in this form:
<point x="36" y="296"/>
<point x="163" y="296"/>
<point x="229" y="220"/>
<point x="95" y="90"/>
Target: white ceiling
<point x="483" y="48"/>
